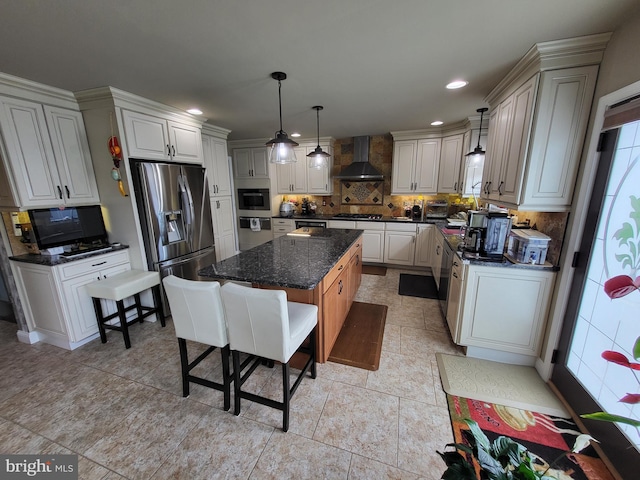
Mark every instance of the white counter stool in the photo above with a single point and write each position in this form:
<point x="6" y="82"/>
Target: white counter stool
<point x="198" y="316"/>
<point x="264" y="325"/>
<point x="118" y="287"/>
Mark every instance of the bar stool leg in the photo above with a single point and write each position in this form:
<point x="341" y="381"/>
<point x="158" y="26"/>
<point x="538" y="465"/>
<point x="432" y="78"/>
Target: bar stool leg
<point x="136" y="296"/>
<point x="100" y="317"/>
<point x="286" y="396"/>
<point x="225" y="353"/>
<point x="236" y="382"/>
<point x="123" y="324"/>
<point x="157" y="302"/>
<point x="184" y="363"/>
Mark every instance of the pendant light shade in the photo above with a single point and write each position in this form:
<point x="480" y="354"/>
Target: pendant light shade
<point x="318" y="158"/>
<point x="281" y="150"/>
<point x="477" y="153"/>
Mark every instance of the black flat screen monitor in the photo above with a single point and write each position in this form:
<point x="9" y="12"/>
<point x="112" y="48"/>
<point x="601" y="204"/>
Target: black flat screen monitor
<point x="56" y="227"/>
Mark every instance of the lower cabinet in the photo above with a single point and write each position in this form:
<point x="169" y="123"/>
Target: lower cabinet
<point x="424" y="245"/>
<point x="54" y="299"/>
<point x="504" y="309"/>
<point x="282" y="226"/>
<point x="224" y="231"/>
<point x="372" y="241"/>
<point x="399" y="244"/>
<point x="436" y="265"/>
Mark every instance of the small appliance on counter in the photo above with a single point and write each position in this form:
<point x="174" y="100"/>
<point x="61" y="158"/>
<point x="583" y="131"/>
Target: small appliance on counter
<point x="416" y="212"/>
<point x="495" y="235"/>
<point x="307" y="208"/>
<point x="528" y="246"/>
<point x="437" y="209"/>
<point x="286" y="209"/>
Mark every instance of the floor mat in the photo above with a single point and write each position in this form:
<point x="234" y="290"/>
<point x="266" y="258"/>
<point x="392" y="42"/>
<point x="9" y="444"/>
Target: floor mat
<point x="374" y="270"/>
<point x="511" y="385"/>
<point x="423" y="286"/>
<point x="359" y="342"/>
<point x="545" y="436"/>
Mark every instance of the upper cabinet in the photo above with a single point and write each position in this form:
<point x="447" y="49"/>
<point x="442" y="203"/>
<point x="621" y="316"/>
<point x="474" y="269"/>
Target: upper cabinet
<point x="251" y="162"/>
<point x="415" y="166"/>
<point x="538" y="120"/>
<point x="46" y="156"/>
<point x="156" y="138"/>
<point x="299" y="178"/>
<point x="216" y="161"/>
<point x="450" y="162"/>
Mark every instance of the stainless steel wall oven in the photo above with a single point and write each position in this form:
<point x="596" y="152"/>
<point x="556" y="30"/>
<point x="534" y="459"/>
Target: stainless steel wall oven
<point x="253" y="199"/>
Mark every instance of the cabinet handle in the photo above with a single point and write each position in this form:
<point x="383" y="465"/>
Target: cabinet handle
<point x="104" y="276"/>
<point x="455" y="274"/>
<point x="168" y="150"/>
<point x="455" y="264"/>
<point x="326" y="186"/>
<point x="500" y="187"/>
<point x="67" y="190"/>
<point x="455" y="186"/>
<point x="99" y="263"/>
<point x="59" y="191"/>
<point x="340" y="268"/>
<point x="489" y="187"/>
<point x="340" y="289"/>
<point x="173" y="151"/>
<point x="357" y="259"/>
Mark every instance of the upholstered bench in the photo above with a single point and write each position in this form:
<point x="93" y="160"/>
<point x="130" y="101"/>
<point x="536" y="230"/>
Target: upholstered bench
<point x="118" y="287"/>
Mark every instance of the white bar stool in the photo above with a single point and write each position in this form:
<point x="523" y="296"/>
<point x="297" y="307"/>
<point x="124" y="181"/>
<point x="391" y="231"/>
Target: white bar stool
<point x="118" y="287"/>
<point x="264" y="325"/>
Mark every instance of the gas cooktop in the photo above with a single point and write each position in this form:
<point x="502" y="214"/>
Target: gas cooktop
<point x="367" y="216"/>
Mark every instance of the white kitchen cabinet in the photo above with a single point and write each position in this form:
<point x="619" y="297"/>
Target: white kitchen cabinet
<point x="282" y="226"/>
<point x="415" y="166"/>
<point x="505" y="309"/>
<point x="251" y="162"/>
<point x="55" y="302"/>
<point x="156" y="138"/>
<point x="373" y="241"/>
<point x="216" y="161"/>
<point x="399" y="244"/>
<point x="436" y="266"/>
<point x="424" y="245"/>
<point x="472" y="167"/>
<point x="350" y="224"/>
<point x="47" y="158"/>
<point x="535" y="140"/>
<point x="450" y="162"/>
<point x="299" y="178"/>
<point x="224" y="231"/>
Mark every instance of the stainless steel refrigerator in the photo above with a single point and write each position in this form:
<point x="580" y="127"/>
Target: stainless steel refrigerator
<point x="175" y="215"/>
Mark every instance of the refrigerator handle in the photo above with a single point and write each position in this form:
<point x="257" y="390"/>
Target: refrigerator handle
<point x="187" y="205"/>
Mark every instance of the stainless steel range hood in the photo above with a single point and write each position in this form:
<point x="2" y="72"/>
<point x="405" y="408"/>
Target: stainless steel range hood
<point x="360" y="169"/>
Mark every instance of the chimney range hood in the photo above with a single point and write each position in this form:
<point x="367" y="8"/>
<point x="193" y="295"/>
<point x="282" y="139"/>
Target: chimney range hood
<point x="360" y="169"/>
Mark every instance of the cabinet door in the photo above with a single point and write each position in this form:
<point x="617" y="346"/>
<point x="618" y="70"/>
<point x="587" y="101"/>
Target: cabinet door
<point x="186" y="142"/>
<point x="284" y="178"/>
<point x="215" y="159"/>
<point x="242" y="162"/>
<point x="450" y="161"/>
<point x="399" y="247"/>
<point x="427" y="166"/>
<point x="147" y="137"/>
<point x="355" y="274"/>
<point x="517" y="143"/>
<point x="225" y="246"/>
<point x="335" y="309"/>
<point x="222" y="209"/>
<point x="512" y="322"/>
<point x="424" y="245"/>
<point x="373" y="246"/>
<point x="73" y="158"/>
<point x="260" y="162"/>
<point x="454" y="297"/>
<point x="30" y="154"/>
<point x="404" y="165"/>
<point x="436" y="265"/>
<point x="498" y="152"/>
<point x="319" y="179"/>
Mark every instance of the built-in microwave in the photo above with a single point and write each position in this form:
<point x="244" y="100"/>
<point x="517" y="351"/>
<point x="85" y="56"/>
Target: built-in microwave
<point x="253" y="199"/>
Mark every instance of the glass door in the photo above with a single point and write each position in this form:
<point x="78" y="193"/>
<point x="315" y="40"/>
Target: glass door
<point x="603" y="314"/>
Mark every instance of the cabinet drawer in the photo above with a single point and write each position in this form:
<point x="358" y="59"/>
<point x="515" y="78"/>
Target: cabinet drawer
<point x="281" y="229"/>
<point x="283" y="222"/>
<point x="88" y="265"/>
<point x="336" y="271"/>
<point x="401" y="227"/>
<point x="355" y="249"/>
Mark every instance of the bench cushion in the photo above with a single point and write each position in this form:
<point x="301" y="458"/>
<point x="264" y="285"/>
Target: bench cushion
<point x="123" y="285"/>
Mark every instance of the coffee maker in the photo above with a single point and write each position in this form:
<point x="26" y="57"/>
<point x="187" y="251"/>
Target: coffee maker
<point x="498" y="226"/>
<point x="474" y="234"/>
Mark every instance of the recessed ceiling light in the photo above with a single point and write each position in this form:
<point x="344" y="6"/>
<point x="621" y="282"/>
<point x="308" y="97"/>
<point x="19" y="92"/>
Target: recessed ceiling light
<point x="457" y="84"/>
<point x="436" y="123"/>
<point x="295" y="134"/>
<point x="194" y="111"/>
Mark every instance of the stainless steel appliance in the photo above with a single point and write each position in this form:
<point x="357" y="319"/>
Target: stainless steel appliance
<point x="310" y="223"/>
<point x="445" y="272"/>
<point x="254" y="231"/>
<point x="498" y="226"/>
<point x="254" y="199"/>
<point x="286" y="209"/>
<point x="437" y="209"/>
<point x="363" y="216"/>
<point x="175" y="215"/>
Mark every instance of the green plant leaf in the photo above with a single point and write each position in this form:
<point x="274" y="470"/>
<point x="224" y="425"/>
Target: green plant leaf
<point x="636" y="349"/>
<point x="479" y="436"/>
<point x="459" y="472"/>
<point x="635" y="214"/>
<point x="508" y="451"/>
<point x="608" y="417"/>
<point x="525" y="472"/>
<point x="624" y="234"/>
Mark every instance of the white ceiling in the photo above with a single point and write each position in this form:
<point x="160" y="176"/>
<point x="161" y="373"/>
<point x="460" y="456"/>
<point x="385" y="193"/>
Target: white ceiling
<point x="376" y="66"/>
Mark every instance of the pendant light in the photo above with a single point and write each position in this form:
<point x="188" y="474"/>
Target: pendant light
<point x="318" y="158"/>
<point x="281" y="146"/>
<point x="477" y="153"/>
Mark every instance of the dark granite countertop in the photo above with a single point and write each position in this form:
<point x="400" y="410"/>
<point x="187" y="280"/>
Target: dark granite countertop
<point x="287" y="261"/>
<point x="53" y="260"/>
<point x="325" y="218"/>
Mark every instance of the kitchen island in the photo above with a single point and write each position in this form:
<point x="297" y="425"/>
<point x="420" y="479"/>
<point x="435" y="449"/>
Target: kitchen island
<point x="322" y="268"/>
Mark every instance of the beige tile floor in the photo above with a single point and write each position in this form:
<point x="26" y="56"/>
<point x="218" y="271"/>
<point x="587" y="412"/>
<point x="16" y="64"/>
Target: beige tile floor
<point x="123" y="413"/>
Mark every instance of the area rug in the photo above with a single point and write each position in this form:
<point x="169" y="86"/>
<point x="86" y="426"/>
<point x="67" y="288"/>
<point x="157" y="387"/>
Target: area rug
<point x="359" y="342"/>
<point x="423" y="286"/>
<point x="374" y="270"/>
<point x="545" y="436"/>
<point x="511" y="385"/>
